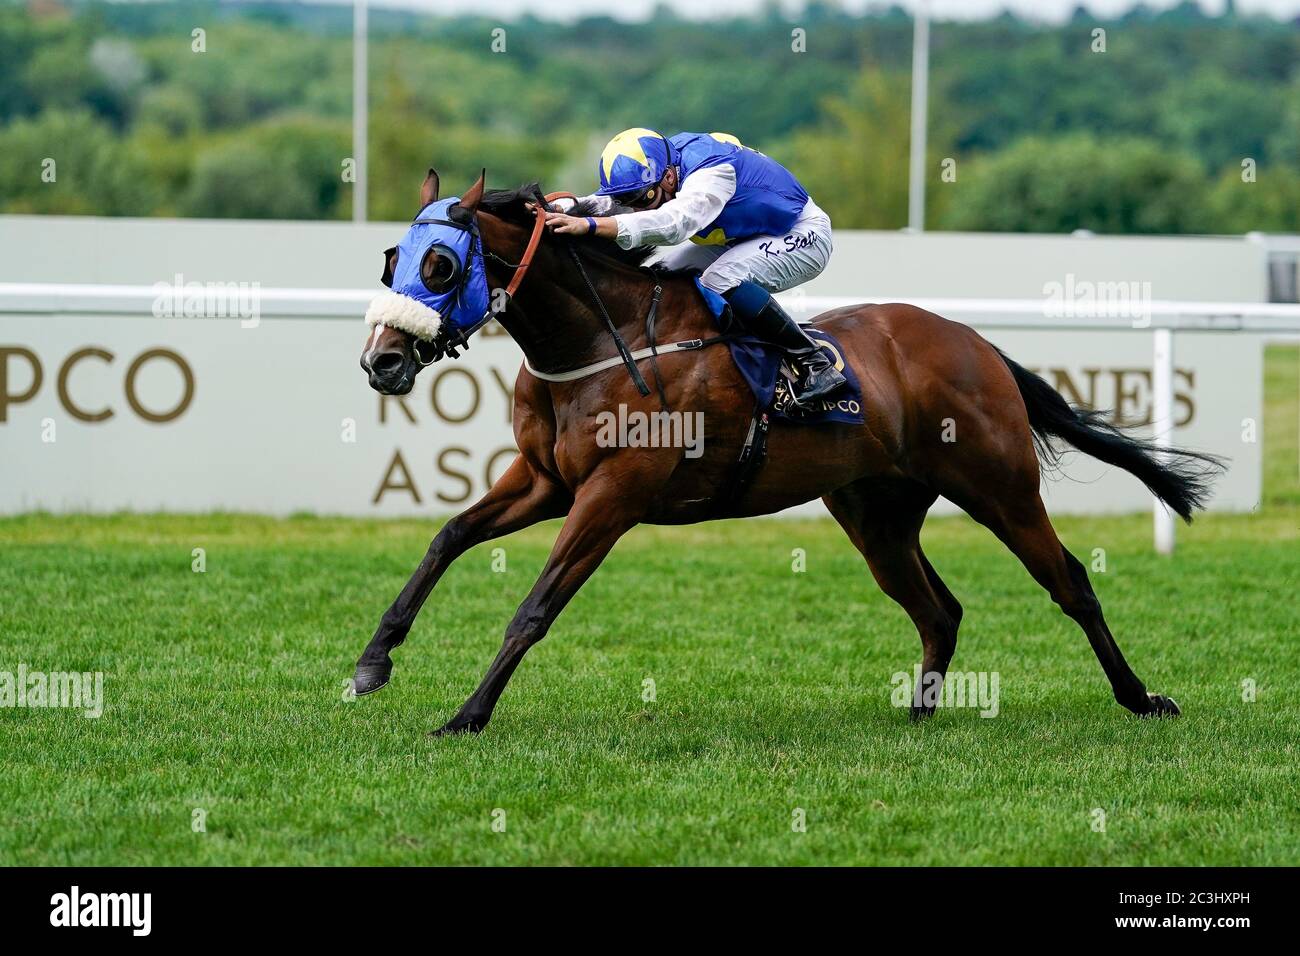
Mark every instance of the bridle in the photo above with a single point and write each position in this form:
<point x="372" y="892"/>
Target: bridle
<point x="459" y="339"/>
<point x="623" y="351"/>
<point x="539" y="227"/>
<point x="625" y="355"/>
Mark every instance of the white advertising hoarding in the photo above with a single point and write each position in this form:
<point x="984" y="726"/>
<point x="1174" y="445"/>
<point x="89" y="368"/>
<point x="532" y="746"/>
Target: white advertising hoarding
<point x="108" y="412"/>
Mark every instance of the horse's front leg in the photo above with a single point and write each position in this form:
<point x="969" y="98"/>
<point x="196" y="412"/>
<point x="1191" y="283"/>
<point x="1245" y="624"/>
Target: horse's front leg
<point x="600" y="516"/>
<point x="521" y="497"/>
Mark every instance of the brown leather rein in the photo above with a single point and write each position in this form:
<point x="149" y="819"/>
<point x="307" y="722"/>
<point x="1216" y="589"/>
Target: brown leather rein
<point x="539" y="227"/>
<point x="460" y="339"/>
<point x="526" y="260"/>
<point x="625" y="355"/>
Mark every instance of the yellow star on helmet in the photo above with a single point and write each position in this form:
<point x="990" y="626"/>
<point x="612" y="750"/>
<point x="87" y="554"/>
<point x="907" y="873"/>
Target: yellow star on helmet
<point x="626" y="143"/>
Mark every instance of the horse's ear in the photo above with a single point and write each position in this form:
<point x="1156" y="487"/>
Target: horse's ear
<point x="429" y="191"/>
<point x="472" y="195"/>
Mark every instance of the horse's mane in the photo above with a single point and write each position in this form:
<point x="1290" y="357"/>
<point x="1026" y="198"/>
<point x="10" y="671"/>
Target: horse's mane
<point x="511" y="205"/>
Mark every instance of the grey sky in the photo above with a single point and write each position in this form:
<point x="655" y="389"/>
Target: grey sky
<point x="945" y="9"/>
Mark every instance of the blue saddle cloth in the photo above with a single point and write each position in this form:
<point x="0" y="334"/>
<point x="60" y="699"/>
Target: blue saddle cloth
<point x="760" y="365"/>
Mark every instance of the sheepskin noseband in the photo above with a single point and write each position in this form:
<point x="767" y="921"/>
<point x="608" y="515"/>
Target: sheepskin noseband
<point x="404" y="313"/>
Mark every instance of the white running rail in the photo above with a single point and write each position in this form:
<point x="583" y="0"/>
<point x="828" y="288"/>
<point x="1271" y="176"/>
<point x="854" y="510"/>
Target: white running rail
<point x="1160" y="318"/>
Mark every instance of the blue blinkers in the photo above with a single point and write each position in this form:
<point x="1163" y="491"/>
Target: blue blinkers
<point x="453" y="283"/>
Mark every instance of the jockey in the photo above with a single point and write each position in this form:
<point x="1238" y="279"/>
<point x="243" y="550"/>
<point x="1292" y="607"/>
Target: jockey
<point x="754" y="229"/>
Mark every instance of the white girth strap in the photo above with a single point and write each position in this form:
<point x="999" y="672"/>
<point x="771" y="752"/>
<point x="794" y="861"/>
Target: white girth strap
<point x="577" y="373"/>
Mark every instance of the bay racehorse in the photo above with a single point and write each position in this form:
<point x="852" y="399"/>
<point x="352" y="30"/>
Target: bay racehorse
<point x="925" y="381"/>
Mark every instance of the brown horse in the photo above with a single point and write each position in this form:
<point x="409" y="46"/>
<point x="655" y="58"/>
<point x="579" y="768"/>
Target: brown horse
<point x="925" y="382"/>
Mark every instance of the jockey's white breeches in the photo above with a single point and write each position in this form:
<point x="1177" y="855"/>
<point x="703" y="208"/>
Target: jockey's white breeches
<point x="776" y="263"/>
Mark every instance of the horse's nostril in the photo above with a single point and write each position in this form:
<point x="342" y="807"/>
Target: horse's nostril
<point x="389" y="363"/>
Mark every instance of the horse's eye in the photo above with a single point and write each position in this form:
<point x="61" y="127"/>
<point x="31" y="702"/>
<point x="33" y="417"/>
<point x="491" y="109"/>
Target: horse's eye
<point x="439" y="269"/>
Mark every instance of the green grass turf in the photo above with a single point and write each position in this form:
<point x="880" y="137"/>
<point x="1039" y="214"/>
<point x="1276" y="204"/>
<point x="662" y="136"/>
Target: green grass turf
<point x="224" y="691"/>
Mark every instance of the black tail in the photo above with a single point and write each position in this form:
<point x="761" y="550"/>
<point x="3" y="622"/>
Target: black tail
<point x="1181" y="480"/>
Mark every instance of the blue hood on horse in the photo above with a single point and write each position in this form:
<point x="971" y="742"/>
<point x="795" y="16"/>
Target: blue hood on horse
<point x="438" y="283"/>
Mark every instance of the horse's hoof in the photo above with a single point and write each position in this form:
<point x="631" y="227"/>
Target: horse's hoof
<point x="371" y="677"/>
<point x="918" y="714"/>
<point x="1162" y="707"/>
<point x="458" y="725"/>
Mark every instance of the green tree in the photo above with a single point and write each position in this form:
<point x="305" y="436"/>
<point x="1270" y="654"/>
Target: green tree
<point x="1210" y="89"/>
<point x="284" y="169"/>
<point x="1217" y="119"/>
<point x="409" y="133"/>
<point x="855" y="160"/>
<point x="1059" y="184"/>
<point x="1285" y="142"/>
<point x="72" y="163"/>
<point x="1269" y="204"/>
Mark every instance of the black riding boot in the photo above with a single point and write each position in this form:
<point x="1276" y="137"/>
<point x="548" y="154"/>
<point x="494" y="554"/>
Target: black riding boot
<point x="762" y="316"/>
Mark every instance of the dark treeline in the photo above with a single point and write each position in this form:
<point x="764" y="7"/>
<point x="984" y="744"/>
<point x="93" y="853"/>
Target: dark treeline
<point x="1183" y="123"/>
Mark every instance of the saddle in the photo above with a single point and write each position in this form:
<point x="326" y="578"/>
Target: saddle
<point x="764" y="368"/>
<point x="771" y="378"/>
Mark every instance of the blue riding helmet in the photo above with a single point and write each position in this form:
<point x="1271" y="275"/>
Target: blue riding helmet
<point x="634" y="159"/>
<point x="439" y="285"/>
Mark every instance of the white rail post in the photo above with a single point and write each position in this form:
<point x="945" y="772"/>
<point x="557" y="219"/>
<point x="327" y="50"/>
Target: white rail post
<point x="360" y="108"/>
<point x="1162" y="415"/>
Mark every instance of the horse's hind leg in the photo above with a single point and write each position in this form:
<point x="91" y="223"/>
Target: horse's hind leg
<point x="1023" y="526"/>
<point x="883" y="519"/>
<point x="521" y="497"/>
